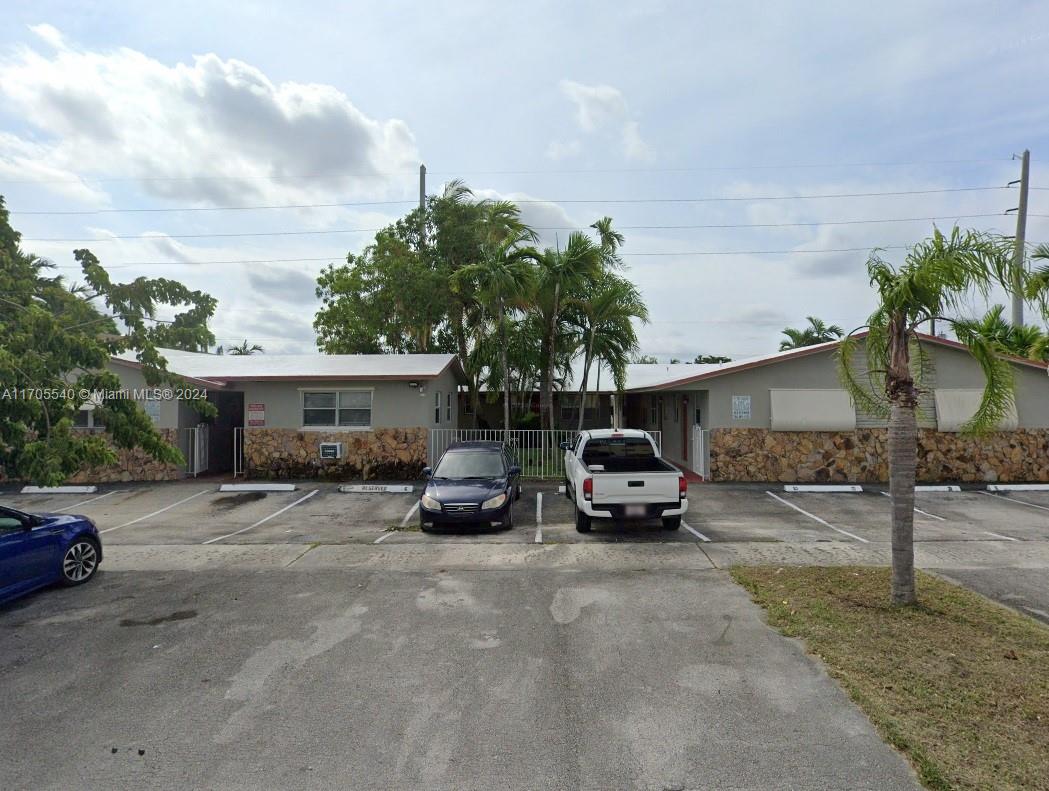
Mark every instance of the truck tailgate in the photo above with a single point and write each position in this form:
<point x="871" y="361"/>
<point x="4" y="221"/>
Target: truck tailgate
<point x="638" y="487"/>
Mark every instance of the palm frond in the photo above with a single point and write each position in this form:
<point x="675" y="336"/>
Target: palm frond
<point x="999" y="383"/>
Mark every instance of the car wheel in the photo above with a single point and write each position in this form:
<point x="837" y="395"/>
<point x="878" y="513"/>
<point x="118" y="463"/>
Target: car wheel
<point x="80" y="562"/>
<point x="568" y="493"/>
<point x="582" y="521"/>
<point x="671" y="522"/>
<point x="518" y="497"/>
<point x="508" y="523"/>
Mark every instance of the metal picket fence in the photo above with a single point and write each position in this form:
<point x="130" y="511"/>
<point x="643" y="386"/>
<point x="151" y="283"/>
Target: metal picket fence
<point x="538" y="452"/>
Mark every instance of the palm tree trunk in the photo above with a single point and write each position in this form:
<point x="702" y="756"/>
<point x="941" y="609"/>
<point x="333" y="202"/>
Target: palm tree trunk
<point x="551" y="357"/>
<point x="504" y="359"/>
<point x="588" y="360"/>
<point x="903" y="453"/>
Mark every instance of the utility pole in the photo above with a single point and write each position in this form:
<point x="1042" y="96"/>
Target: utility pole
<point x="1021" y="233"/>
<point x="422" y="205"/>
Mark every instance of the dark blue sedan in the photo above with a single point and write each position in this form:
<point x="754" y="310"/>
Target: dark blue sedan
<point x="38" y="550"/>
<point x="473" y="483"/>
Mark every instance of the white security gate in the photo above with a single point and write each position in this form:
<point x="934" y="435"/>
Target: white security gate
<point x="701" y="452"/>
<point x="538" y="452"/>
<point x="193" y="442"/>
<point x="238" y="451"/>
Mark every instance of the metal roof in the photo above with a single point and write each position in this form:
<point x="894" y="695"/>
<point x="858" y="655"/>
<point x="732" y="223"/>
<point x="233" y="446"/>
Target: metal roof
<point x="219" y="368"/>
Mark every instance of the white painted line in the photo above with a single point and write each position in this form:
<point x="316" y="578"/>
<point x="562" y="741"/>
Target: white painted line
<point x="83" y="502"/>
<point x="694" y="532"/>
<point x="1035" y="611"/>
<point x="920" y="511"/>
<point x="937" y="488"/>
<point x="374" y="488"/>
<point x="264" y="519"/>
<point x="257" y="487"/>
<point x="1014" y="500"/>
<point x="162" y="510"/>
<point x="410" y="514"/>
<point x="1018" y="487"/>
<point x="59" y="489"/>
<point x="999" y="535"/>
<point x="383" y="537"/>
<point x="823" y="522"/>
<point x="823" y="488"/>
<point x="539" y="517"/>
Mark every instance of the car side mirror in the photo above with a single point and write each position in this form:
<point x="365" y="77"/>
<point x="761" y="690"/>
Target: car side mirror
<point x="566" y="445"/>
<point x="515" y="470"/>
<point x="427" y="472"/>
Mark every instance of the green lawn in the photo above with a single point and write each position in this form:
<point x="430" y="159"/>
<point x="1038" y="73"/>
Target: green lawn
<point x="959" y="684"/>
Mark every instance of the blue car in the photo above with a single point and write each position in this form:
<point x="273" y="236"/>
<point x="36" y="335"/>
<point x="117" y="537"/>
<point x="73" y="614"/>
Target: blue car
<point x="38" y="550"/>
<point x="474" y="483"/>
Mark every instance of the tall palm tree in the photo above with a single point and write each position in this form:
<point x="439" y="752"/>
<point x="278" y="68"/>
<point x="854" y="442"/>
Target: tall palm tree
<point x="561" y="273"/>
<point x="603" y="315"/>
<point x="933" y="280"/>
<point x="503" y="280"/>
<point x="818" y="331"/>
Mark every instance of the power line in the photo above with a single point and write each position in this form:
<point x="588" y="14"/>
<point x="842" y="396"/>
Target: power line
<point x="541" y="172"/>
<point x="708" y="199"/>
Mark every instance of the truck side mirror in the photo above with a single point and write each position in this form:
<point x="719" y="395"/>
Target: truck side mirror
<point x="566" y="445"/>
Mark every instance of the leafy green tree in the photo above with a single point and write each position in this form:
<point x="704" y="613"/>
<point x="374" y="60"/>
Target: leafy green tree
<point x="817" y="332"/>
<point x="933" y="280"/>
<point x="56" y="345"/>
<point x="1028" y="341"/>
<point x="644" y="359"/>
<point x="503" y="281"/>
<point x="707" y="359"/>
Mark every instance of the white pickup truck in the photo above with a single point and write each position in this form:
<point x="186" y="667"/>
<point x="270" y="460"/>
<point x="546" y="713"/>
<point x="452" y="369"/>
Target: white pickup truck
<point x="618" y="474"/>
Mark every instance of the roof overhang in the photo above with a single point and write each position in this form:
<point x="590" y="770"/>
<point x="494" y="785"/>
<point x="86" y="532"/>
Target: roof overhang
<point x="134" y="364"/>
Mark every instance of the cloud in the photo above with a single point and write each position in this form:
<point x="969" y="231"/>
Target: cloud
<point x="633" y="146"/>
<point x="211" y="131"/>
<point x="596" y="105"/>
<point x="49" y="35"/>
<point x="284" y="285"/>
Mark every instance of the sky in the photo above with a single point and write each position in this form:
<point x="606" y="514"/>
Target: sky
<point x="675" y="119"/>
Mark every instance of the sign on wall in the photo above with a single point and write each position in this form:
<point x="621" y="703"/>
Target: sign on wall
<point x="256" y="414"/>
<point x="741" y="407"/>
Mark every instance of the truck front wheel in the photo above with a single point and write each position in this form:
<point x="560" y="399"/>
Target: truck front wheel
<point x="671" y="522"/>
<point x="582" y="521"/>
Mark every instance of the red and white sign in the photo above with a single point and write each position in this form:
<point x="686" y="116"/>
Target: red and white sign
<point x="256" y="414"/>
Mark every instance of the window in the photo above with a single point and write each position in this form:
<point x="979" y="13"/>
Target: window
<point x="337" y="408"/>
<point x="448" y="404"/>
<point x="86" y="419"/>
<point x="653" y="411"/>
<point x="437" y="407"/>
<point x="468" y="407"/>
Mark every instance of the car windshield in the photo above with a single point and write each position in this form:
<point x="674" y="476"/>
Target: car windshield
<point x="470" y="464"/>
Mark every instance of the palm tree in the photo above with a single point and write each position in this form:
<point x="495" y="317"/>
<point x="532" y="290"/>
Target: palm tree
<point x="242" y="349"/>
<point x="817" y="332"/>
<point x="561" y="273"/>
<point x="603" y="316"/>
<point x="936" y="276"/>
<point x="1028" y="341"/>
<point x="503" y="280"/>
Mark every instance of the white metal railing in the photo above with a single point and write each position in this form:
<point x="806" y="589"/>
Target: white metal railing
<point x="238" y="451"/>
<point x="193" y="442"/>
<point x="701" y="452"/>
<point x="538" y="452"/>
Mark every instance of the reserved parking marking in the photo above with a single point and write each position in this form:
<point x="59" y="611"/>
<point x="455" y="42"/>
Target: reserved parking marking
<point x="160" y="511"/>
<point x="1014" y="500"/>
<point x="263" y="520"/>
<point x="539" y="517"/>
<point x="920" y="511"/>
<point x="694" y="532"/>
<point x="410" y="514"/>
<point x="83" y="502"/>
<point x="823" y="522"/>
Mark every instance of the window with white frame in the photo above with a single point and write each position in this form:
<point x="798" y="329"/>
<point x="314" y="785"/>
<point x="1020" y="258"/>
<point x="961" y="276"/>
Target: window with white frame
<point x="337" y="409"/>
<point x="448" y="406"/>
<point x="86" y="419"/>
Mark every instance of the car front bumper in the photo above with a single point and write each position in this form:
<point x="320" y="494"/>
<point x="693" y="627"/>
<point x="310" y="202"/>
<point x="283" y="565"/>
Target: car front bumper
<point x="495" y="517"/>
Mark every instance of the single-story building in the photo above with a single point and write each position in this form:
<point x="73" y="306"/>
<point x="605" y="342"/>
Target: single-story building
<point x="294" y="415"/>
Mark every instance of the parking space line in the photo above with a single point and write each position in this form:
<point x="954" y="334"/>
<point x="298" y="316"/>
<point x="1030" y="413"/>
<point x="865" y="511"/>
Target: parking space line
<point x="539" y="517"/>
<point x="920" y="511"/>
<point x="263" y="520"/>
<point x="694" y="532"/>
<point x="411" y="513"/>
<point x="83" y="502"/>
<point x="999" y="535"/>
<point x="1014" y="500"/>
<point x="160" y="511"/>
<point x="823" y="522"/>
<point x="383" y="537"/>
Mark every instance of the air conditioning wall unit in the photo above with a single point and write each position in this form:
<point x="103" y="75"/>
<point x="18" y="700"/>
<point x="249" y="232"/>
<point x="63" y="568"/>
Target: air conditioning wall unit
<point x="331" y="450"/>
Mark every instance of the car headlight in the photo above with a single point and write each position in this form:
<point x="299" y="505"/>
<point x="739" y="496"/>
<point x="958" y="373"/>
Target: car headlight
<point x="429" y="503"/>
<point x="494" y="502"/>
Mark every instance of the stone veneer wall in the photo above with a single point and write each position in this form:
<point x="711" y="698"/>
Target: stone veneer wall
<point x="751" y="454"/>
<point x="135" y="465"/>
<point x="391" y="453"/>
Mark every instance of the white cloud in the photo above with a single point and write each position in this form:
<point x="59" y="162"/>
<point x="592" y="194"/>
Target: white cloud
<point x="49" y="34"/>
<point x="634" y="147"/>
<point x="596" y="105"/>
<point x="211" y="131"/>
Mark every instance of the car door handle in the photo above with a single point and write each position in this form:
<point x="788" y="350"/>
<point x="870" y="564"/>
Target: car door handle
<point x="635" y="483"/>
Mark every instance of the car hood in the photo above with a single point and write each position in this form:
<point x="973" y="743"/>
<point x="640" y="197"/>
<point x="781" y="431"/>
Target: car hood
<point x="63" y="519"/>
<point x="465" y="491"/>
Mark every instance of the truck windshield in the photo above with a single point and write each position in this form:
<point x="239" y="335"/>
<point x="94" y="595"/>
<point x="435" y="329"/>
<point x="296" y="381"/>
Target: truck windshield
<point x="470" y="464"/>
<point x="601" y="451"/>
